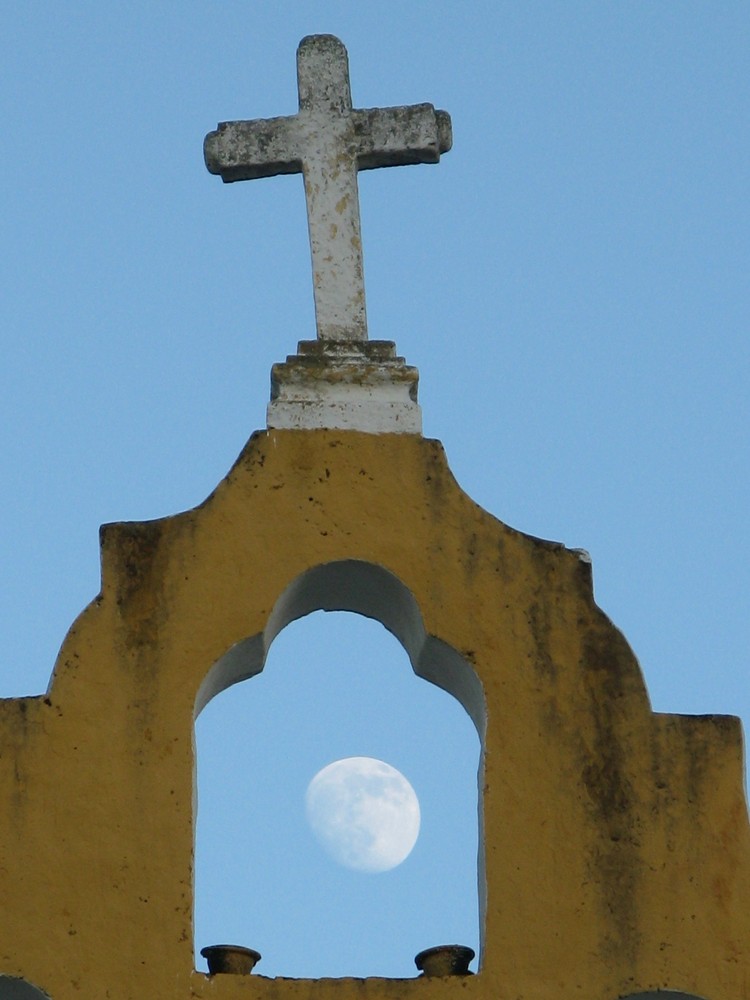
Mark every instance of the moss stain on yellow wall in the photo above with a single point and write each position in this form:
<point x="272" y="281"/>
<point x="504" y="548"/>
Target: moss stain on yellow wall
<point x="616" y="846"/>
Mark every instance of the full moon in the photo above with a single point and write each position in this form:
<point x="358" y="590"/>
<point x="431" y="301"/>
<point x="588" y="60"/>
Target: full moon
<point x="364" y="813"/>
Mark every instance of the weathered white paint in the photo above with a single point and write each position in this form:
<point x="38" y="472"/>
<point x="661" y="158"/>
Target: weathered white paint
<point x="329" y="141"/>
<point x="345" y="386"/>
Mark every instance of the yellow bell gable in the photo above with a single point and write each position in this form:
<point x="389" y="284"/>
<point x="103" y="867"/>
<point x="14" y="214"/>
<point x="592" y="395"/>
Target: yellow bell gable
<point x="615" y="855"/>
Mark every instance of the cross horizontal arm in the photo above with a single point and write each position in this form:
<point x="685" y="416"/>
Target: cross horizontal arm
<point x="246" y="150"/>
<point x="393" y="137"/>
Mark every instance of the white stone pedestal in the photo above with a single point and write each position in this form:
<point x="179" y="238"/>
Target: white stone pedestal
<point x="345" y="385"/>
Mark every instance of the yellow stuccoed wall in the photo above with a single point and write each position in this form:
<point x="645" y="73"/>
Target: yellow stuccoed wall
<point x="616" y="845"/>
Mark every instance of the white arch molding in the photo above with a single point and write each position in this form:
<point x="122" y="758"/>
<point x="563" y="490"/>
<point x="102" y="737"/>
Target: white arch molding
<point x="369" y="590"/>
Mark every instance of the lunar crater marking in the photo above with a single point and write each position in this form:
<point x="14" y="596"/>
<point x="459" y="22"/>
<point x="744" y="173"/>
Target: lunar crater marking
<point x="364" y="813"/>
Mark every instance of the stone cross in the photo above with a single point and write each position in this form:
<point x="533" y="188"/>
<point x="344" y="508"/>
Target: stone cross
<point x="329" y="141"/>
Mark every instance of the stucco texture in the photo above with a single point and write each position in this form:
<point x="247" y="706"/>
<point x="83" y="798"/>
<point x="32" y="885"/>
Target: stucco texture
<point x="616" y="852"/>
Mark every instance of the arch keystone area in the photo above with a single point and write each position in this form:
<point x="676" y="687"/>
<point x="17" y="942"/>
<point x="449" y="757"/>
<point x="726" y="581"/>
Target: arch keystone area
<point x="366" y="589"/>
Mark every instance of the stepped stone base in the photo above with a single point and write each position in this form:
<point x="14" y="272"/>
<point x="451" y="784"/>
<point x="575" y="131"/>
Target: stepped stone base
<point x="345" y="385"/>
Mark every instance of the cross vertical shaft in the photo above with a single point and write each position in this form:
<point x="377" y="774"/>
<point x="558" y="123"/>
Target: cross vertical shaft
<point x="331" y="190"/>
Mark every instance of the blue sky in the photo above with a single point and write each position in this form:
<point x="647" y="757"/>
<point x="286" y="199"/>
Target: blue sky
<point x="571" y="281"/>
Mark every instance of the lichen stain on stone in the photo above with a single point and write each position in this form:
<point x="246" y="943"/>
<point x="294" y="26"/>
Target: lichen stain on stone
<point x="139" y="586"/>
<point x="701" y="737"/>
<point x="472" y="555"/>
<point x="608" y="788"/>
<point x="604" y="771"/>
<point x="539" y="626"/>
<point x="21" y="718"/>
<point x="440" y="480"/>
<point x="20" y="724"/>
<point x="137" y="546"/>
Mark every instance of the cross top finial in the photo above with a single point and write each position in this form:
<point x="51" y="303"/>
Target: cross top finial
<point x="323" y="74"/>
<point x="329" y="141"/>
